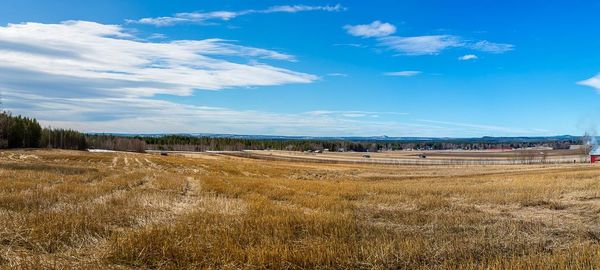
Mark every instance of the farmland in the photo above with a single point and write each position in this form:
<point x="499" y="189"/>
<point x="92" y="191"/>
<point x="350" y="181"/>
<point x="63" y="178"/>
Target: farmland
<point x="74" y="209"/>
<point x="451" y="157"/>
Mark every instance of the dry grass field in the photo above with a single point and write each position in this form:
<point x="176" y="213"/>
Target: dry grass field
<point x="68" y="209"/>
<point x="442" y="157"/>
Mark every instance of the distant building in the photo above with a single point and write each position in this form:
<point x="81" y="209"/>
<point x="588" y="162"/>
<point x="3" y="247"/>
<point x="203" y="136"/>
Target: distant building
<point x="595" y="154"/>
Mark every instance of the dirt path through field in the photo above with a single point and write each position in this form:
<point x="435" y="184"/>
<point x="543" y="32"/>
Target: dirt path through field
<point x="139" y="163"/>
<point x="114" y="163"/>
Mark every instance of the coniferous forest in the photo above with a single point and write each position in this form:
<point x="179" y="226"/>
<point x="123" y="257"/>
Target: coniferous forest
<point x="24" y="132"/>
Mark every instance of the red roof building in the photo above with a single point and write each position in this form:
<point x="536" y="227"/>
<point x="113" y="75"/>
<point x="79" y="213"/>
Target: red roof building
<point x="595" y="154"/>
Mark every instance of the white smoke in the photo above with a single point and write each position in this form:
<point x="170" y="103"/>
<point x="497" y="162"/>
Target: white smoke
<point x="590" y="141"/>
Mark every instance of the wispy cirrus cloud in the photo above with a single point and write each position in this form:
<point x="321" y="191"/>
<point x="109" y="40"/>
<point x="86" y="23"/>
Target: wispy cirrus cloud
<point x="223" y="15"/>
<point x="157" y="36"/>
<point x="299" y="8"/>
<point x="421" y="45"/>
<point x="354" y="45"/>
<point x="337" y="74"/>
<point x="490" y="47"/>
<point x="405" y="73"/>
<point x="353" y="114"/>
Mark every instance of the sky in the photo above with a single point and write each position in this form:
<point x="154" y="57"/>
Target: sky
<point x="304" y="68"/>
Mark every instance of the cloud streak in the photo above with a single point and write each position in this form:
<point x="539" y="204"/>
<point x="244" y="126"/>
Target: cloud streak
<point x="490" y="47"/>
<point x="593" y="82"/>
<point x="421" y="45"/>
<point x="405" y="73"/>
<point x="202" y="17"/>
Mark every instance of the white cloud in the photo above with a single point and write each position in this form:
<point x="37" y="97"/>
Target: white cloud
<point x="355" y="45"/>
<point x="86" y="58"/>
<point x="337" y="74"/>
<point x="420" y="45"/>
<point x="593" y="82"/>
<point x="374" y="29"/>
<point x="490" y="47"/>
<point x="352" y="114"/>
<point x="187" y="17"/>
<point x="468" y="57"/>
<point x="159" y="21"/>
<point x="157" y="36"/>
<point x="299" y="8"/>
<point x="405" y="73"/>
<point x="200" y="17"/>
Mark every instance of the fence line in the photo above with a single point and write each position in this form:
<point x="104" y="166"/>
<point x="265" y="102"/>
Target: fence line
<point x="395" y="161"/>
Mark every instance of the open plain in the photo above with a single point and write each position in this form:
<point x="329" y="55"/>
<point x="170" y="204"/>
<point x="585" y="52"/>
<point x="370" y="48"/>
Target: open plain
<point x="74" y="209"/>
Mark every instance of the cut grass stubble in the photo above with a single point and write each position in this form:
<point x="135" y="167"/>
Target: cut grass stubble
<point x="75" y="209"/>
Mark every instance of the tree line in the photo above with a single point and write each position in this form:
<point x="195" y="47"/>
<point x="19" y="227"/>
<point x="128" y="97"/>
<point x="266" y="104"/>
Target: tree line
<point x="24" y="132"/>
<point x="190" y="143"/>
<point x="18" y="131"/>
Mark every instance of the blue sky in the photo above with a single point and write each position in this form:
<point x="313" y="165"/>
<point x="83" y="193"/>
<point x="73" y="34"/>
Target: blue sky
<point x="321" y="68"/>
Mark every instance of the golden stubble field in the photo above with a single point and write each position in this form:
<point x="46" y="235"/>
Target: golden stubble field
<point x="68" y="209"/>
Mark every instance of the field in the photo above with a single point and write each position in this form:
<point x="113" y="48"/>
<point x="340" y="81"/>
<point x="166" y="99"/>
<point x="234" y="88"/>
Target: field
<point x="70" y="209"/>
<point x="449" y="157"/>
